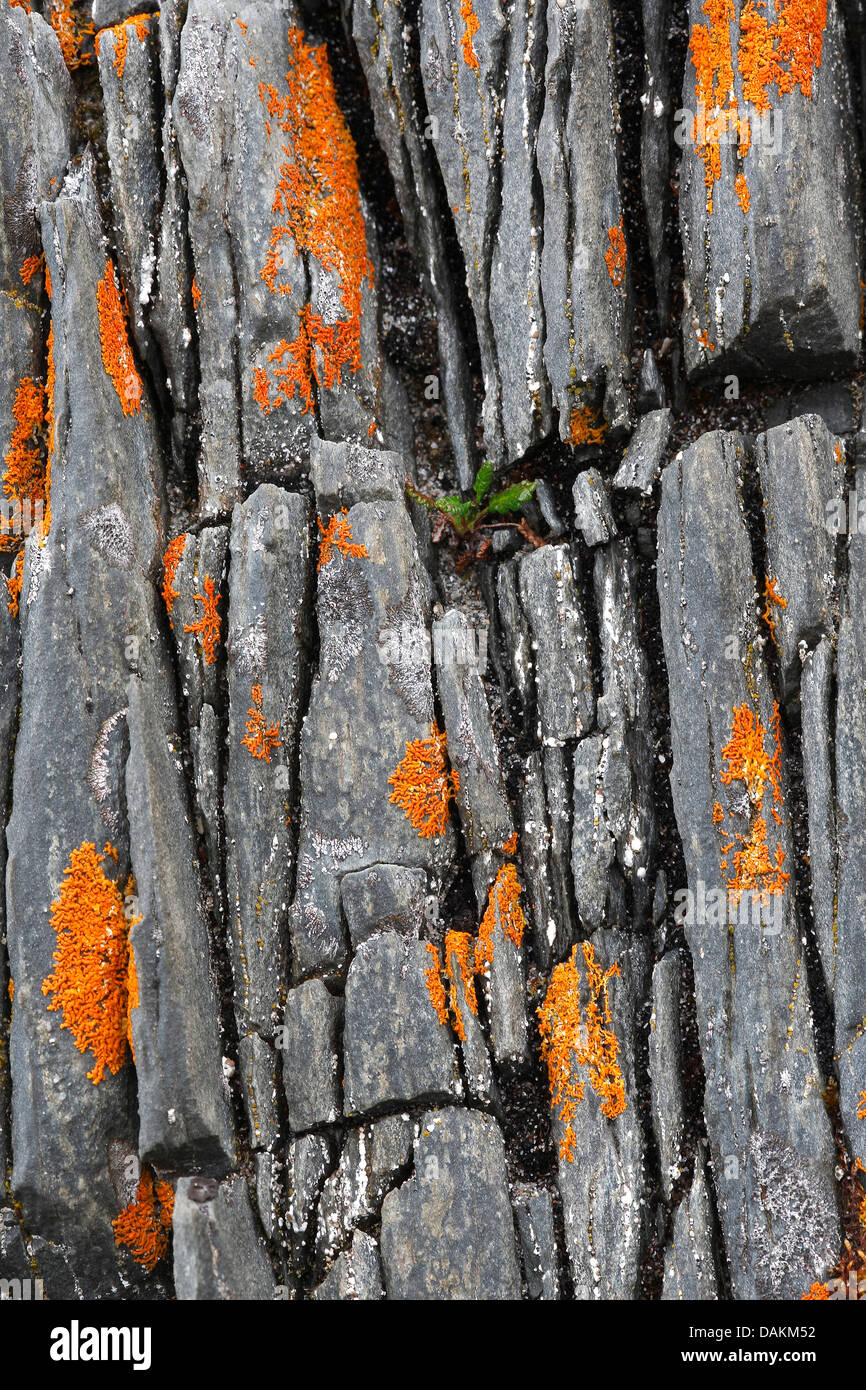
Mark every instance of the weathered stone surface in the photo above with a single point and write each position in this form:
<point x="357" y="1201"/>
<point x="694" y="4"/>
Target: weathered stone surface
<point x="474" y="1051"/>
<point x="602" y="1184"/>
<point x="802" y="474"/>
<point x="309" y="1052"/>
<point x="563" y="676"/>
<point x="533" y="1211"/>
<point x="383" y="896"/>
<point x="690" y="1266"/>
<point x="765" y="1118"/>
<point x="545" y="839"/>
<point x="772" y="275"/>
<point x="356" y="1273"/>
<point x="218" y="1254"/>
<point x="650" y="388"/>
<point x="371" y="698"/>
<point x="448" y="1232"/>
<point x="816" y="703"/>
<point x="375" y="1157"/>
<point x="266" y="655"/>
<point x="655" y="147"/>
<point x="183" y="1115"/>
<point x="642" y="460"/>
<point x="504" y="985"/>
<point x="593" y="517"/>
<point x="395" y="1049"/>
<point x="666" y="1069"/>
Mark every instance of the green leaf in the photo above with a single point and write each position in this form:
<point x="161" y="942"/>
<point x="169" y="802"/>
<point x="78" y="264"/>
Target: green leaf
<point x="483" y="481"/>
<point x="455" y="507"/>
<point x="511" y="499"/>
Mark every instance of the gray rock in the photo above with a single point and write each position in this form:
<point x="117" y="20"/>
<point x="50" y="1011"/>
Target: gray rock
<point x="371" y="698"/>
<point x="593" y="517"/>
<point x="485" y="815"/>
<point x="203" y="559"/>
<point x="690" y="1264"/>
<point x="773" y="289"/>
<point x="383" y="896"/>
<point x="356" y="1274"/>
<point x="642" y="460"/>
<point x="563" y="675"/>
<point x="218" y="1253"/>
<point x="110" y="12"/>
<point x="395" y="1049"/>
<point x="655" y="147"/>
<point x="650" y="388"/>
<point x="374" y="1158"/>
<point x="766" y="1123"/>
<point x="833" y="401"/>
<point x="183" y="1116"/>
<point x="309" y="1162"/>
<point x="448" y="1232"/>
<point x="545" y="848"/>
<point x="477" y="1066"/>
<point x="504" y="980"/>
<point x="816" y="703"/>
<point x="259" y="1074"/>
<point x="268" y="635"/>
<point x="310" y="1079"/>
<point x="533" y="1211"/>
<point x="666" y="1069"/>
<point x="802" y="476"/>
<point x="593" y="846"/>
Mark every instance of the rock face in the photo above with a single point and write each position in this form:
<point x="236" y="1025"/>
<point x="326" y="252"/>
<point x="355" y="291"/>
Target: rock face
<point x="454" y="890"/>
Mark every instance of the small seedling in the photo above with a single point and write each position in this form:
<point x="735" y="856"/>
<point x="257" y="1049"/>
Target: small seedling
<point x="467" y="516"/>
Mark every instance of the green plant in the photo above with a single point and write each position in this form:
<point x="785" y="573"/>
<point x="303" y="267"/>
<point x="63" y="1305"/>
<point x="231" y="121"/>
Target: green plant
<point x="466" y="516"/>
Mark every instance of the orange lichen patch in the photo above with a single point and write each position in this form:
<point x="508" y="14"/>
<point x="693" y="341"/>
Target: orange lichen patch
<point x="861" y="1106"/>
<point x="196" y="293"/>
<point x="783" y="54"/>
<point x="423" y="786"/>
<point x="741" y="188"/>
<point x="586" y="427"/>
<point x="139" y="23"/>
<point x="170" y="561"/>
<point x="143" y="1226"/>
<point x="133" y="1000"/>
<point x="338" y="536"/>
<point x="510" y="846"/>
<point x="14" y="582"/>
<point x="89" y="984"/>
<point x="208" y="625"/>
<point x="435" y="987"/>
<point x="243" y="27"/>
<point x="261" y="736"/>
<point x="754" y="870"/>
<point x="10" y="989"/>
<point x="471" y="21"/>
<point x="704" y="340"/>
<point x="30" y="267"/>
<point x="24" y="469"/>
<point x="718" y="814"/>
<point x="817" y="1292"/>
<point x="117" y="356"/>
<point x="773" y="599"/>
<point x="318" y="208"/>
<point x="458" y="947"/>
<point x="615" y="255"/>
<point x="72" y="32"/>
<point x="20" y="5"/>
<point x="504" y="900"/>
<point x="570" y="1040"/>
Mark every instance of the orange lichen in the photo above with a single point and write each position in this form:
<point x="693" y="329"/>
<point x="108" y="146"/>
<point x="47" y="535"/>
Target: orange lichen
<point x="773" y="599"/>
<point x="748" y="761"/>
<point x="319" y="210"/>
<point x="570" y="1040"/>
<point x="615" y="255"/>
<point x="89" y="984"/>
<point x="29" y="268"/>
<point x="72" y="32"/>
<point x="117" y="356"/>
<point x="744" y="197"/>
<point x="586" y="427"/>
<point x="510" y="845"/>
<point x="472" y="23"/>
<point x="14" y="582"/>
<point x="196" y="293"/>
<point x="423" y="786"/>
<point x="139" y="23"/>
<point x="817" y="1293"/>
<point x="338" y="536"/>
<point x="435" y="987"/>
<point x="261" y="736"/>
<point x="208" y="625"/>
<point x="170" y="561"/>
<point x="458" y="946"/>
<point x="133" y="1000"/>
<point x="143" y="1226"/>
<point x="861" y="1106"/>
<point x="504" y="901"/>
<point x="24" y="477"/>
<point x="782" y="54"/>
